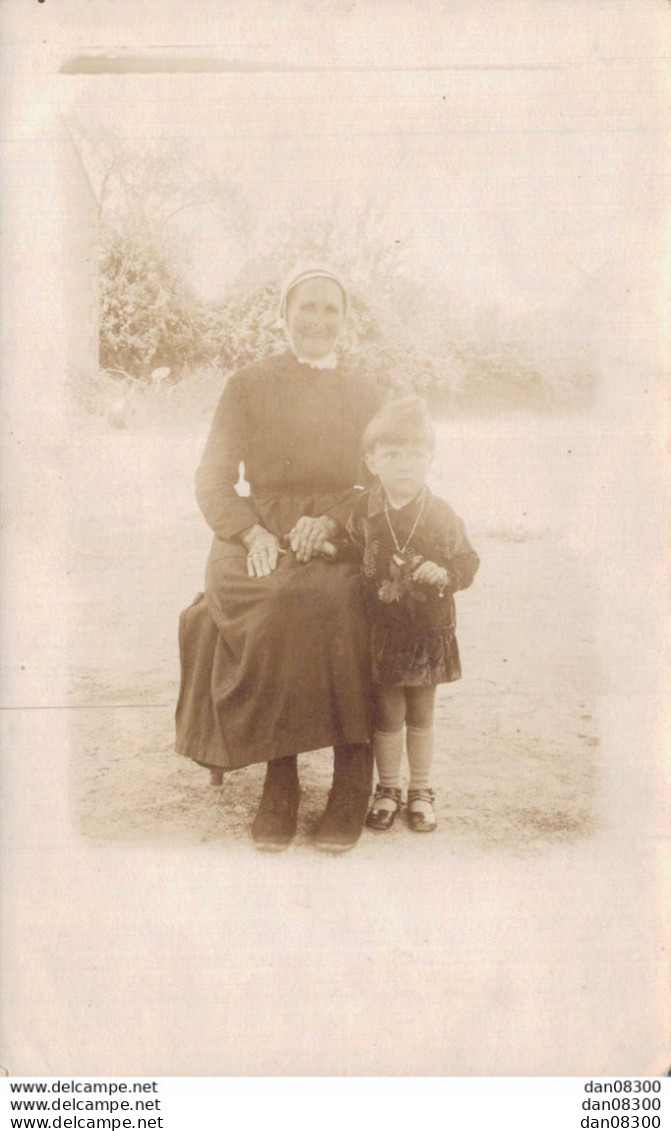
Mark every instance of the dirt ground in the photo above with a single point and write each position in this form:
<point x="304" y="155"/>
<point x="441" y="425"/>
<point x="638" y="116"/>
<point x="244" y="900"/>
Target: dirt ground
<point x="516" y="760"/>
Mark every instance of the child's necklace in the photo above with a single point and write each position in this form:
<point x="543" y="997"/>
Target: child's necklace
<point x="398" y="557"/>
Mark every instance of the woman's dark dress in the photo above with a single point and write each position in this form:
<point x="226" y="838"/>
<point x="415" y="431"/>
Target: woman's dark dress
<point x="277" y="665"/>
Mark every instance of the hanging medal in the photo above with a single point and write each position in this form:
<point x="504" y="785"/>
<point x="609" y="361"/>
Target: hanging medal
<point x="401" y="557"/>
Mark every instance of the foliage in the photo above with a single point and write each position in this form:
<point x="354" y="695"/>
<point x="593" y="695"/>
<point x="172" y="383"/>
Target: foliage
<point x="147" y="316"/>
<point x="403" y="329"/>
<point x="242" y="328"/>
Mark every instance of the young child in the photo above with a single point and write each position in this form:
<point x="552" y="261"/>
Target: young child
<point x="415" y="556"/>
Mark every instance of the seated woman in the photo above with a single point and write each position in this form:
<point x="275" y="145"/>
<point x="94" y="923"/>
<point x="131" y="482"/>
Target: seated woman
<point x="274" y="654"/>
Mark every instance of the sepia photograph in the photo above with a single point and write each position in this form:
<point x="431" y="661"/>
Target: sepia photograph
<point x="336" y="585"/>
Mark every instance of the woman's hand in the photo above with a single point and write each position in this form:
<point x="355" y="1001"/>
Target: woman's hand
<point x="431" y="574"/>
<point x="262" y="548"/>
<point x="310" y="536"/>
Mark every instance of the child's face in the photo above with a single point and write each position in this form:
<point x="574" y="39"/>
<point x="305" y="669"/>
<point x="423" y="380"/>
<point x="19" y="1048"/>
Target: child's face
<point x="401" y="469"/>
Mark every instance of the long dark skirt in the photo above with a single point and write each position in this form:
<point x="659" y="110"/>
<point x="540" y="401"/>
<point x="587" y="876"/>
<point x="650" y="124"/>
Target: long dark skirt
<point x="273" y="666"/>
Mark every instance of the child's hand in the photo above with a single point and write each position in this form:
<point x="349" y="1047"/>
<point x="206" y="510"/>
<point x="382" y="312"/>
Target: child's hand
<point x="431" y="574"/>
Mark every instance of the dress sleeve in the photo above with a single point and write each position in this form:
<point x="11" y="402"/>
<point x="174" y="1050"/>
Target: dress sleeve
<point x="355" y="528"/>
<point x="351" y="543"/>
<point x="370" y="399"/>
<point x="340" y="510"/>
<point x="224" y="510"/>
<point x="455" y="551"/>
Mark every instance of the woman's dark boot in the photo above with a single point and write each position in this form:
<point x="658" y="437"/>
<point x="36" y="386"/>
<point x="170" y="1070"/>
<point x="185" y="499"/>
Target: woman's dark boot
<point x="274" y="825"/>
<point x="342" y="820"/>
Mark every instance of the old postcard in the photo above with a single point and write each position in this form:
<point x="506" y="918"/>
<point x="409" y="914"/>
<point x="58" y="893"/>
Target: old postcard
<point x="232" y="234"/>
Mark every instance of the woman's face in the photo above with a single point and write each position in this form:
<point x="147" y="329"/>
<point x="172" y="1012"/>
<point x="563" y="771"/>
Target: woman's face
<point x="315" y="317"/>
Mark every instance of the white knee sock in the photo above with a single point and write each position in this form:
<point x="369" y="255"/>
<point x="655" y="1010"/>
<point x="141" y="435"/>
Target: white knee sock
<point x="420" y="756"/>
<point x="388" y="753"/>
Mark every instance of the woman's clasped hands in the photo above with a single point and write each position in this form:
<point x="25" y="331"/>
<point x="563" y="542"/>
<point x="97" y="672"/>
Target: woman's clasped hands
<point x="309" y="538"/>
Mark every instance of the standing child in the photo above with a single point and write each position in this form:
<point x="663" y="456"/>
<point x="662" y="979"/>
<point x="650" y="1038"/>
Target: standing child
<point x="415" y="556"/>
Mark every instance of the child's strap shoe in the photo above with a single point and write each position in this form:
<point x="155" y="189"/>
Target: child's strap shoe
<point x="381" y="818"/>
<point x="421" y="817"/>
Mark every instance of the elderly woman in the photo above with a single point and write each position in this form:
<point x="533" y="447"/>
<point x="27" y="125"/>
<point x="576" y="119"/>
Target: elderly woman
<point x="275" y="653"/>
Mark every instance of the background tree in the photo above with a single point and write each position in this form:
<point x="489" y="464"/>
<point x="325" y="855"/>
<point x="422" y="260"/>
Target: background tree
<point x="160" y="207"/>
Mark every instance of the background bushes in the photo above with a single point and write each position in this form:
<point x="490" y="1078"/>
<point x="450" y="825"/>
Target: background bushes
<point x="403" y="328"/>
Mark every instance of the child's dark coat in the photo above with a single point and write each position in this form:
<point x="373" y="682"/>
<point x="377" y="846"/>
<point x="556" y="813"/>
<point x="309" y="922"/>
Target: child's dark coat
<point x="413" y="625"/>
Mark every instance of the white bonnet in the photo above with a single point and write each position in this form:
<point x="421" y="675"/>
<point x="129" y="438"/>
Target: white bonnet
<point x="300" y="273"/>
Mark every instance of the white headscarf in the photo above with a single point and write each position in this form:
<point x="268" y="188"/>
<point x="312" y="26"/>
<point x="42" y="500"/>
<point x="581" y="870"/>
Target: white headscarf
<point x="300" y="273"/>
